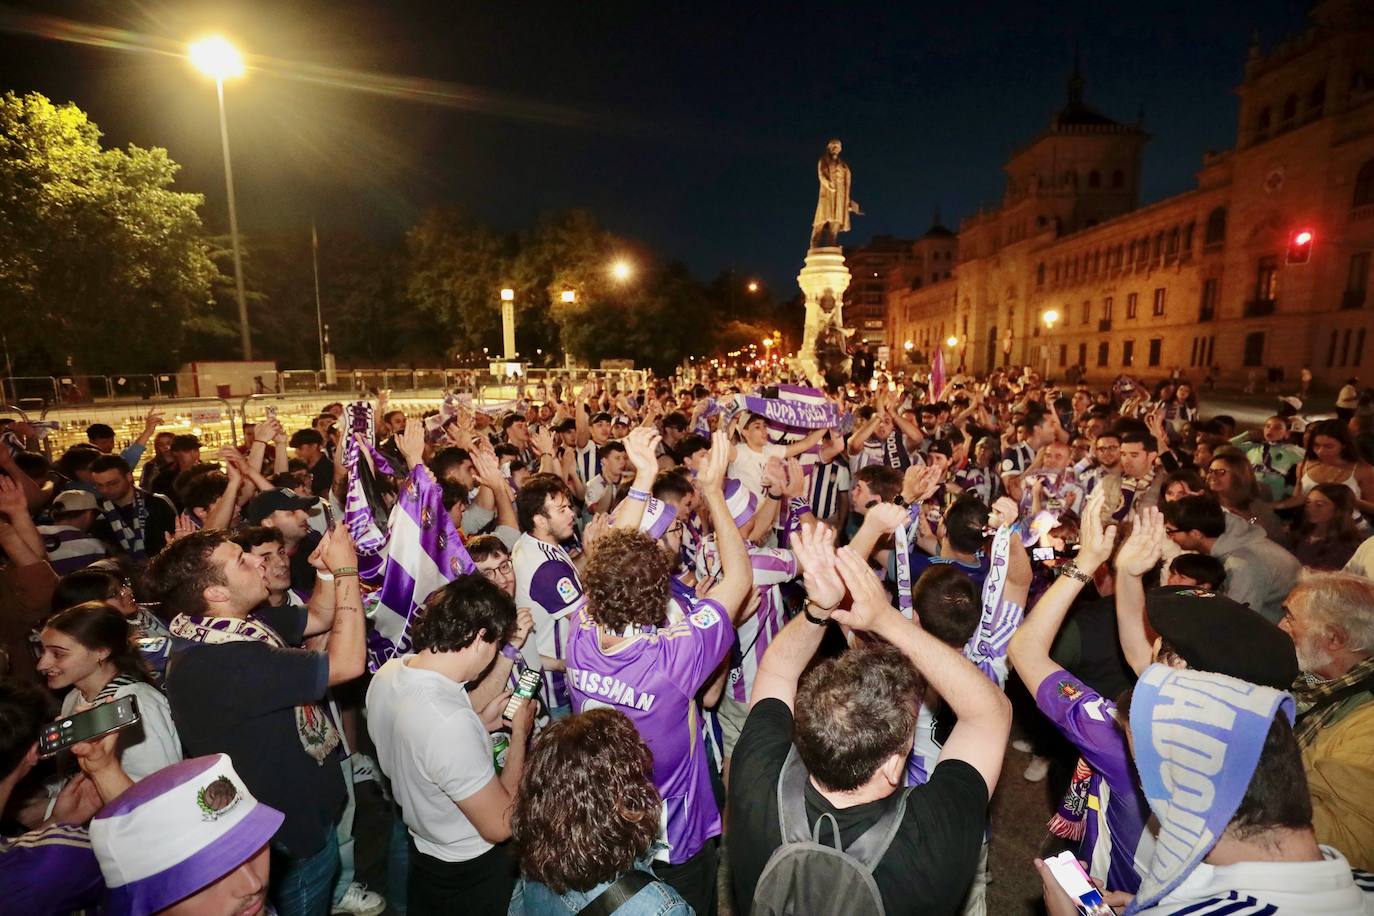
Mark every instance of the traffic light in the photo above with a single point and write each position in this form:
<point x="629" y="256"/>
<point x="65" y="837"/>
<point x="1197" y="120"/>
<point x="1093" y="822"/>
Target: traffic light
<point x="1300" y="246"/>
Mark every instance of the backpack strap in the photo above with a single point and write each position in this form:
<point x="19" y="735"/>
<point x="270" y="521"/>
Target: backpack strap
<point x="618" y="894"/>
<point x="869" y="848"/>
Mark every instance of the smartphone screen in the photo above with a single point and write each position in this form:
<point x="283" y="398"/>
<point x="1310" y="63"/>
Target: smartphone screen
<point x="1042" y="554"/>
<point x="328" y="515"/>
<point x="90" y="723"/>
<point x="1069" y="874"/>
<point x="525" y="688"/>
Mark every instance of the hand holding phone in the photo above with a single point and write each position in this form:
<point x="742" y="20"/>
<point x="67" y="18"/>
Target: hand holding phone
<point x="525" y="689"/>
<point x="91" y="723"/>
<point x="1069" y="875"/>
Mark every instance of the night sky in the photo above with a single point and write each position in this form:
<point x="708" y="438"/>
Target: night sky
<point x="694" y="127"/>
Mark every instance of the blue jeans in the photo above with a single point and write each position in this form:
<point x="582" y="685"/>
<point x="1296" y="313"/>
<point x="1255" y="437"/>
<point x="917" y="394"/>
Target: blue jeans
<point x="344" y="833"/>
<point x="397" y="865"/>
<point x="305" y="887"/>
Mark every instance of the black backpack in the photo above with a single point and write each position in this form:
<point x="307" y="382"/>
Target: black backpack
<point x="805" y="875"/>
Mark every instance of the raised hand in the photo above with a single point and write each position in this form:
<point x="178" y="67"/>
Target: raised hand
<point x="339" y="550"/>
<point x="870" y="602"/>
<point x="814" y="548"/>
<point x="795" y="486"/>
<point x="542" y="440"/>
<point x="1004" y="512"/>
<point x="183" y="527"/>
<point x="487" y="469"/>
<point x="920" y="482"/>
<point x="1095" y="544"/>
<point x="411" y="443"/>
<point x="524" y="625"/>
<point x="641" y="445"/>
<point x="152" y="421"/>
<point x="886" y="517"/>
<point x="13" y="503"/>
<point x="711" y="472"/>
<point x="1144" y="547"/>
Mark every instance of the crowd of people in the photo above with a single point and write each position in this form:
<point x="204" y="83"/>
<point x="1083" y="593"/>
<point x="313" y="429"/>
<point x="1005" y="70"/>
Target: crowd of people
<point x="637" y="645"/>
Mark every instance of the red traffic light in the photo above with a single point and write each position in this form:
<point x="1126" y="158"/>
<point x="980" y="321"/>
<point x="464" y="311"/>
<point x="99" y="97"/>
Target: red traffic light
<point x="1300" y="246"/>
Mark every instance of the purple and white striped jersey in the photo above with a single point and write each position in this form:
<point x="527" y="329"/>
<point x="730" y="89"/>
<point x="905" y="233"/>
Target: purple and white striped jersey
<point x="653" y="678"/>
<point x="547" y="583"/>
<point x="828" y="481"/>
<point x="772" y="567"/>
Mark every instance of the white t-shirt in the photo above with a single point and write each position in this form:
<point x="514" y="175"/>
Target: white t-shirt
<point x="148" y="746"/>
<point x="747" y="467"/>
<point x="435" y="750"/>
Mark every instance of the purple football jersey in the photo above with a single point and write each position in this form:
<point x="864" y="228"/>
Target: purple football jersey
<point x="653" y="679"/>
<point x="1121" y="852"/>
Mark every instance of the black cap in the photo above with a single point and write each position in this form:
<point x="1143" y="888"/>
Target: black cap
<point x="264" y="504"/>
<point x="185" y="443"/>
<point x="1214" y="633"/>
<point x="601" y="417"/>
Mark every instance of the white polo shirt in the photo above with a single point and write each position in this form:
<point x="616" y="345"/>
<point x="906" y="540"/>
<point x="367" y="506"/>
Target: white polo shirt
<point x="432" y="745"/>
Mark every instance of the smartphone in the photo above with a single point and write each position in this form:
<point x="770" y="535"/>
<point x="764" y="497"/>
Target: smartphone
<point x="1066" y="871"/>
<point x="1042" y="554"/>
<point x="328" y="515"/>
<point x="88" y="724"/>
<point x="271" y="413"/>
<point x="525" y="688"/>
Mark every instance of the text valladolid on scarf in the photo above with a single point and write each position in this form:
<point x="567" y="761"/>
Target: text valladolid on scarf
<point x="318" y="735"/>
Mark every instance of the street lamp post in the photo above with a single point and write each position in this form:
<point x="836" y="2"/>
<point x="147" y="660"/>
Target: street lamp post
<point x="1050" y="317"/>
<point x="220" y="60"/>
<point x="508" y="322"/>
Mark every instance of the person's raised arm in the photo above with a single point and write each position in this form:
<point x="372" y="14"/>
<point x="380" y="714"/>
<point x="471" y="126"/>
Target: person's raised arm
<point x="737" y="572"/>
<point x="347" y="638"/>
<point x="912" y="431"/>
<point x="263" y="433"/>
<point x="490" y="477"/>
<point x="221" y="511"/>
<point x="791" y="650"/>
<point x="640" y="445"/>
<point x="1137" y="556"/>
<point x="833" y="447"/>
<point x="493" y="683"/>
<point x="802" y="446"/>
<point x="582" y="415"/>
<point x="984" y="714"/>
<point x="861" y="434"/>
<point x="281" y="462"/>
<point x="879" y="520"/>
<point x="489" y="808"/>
<point x="135" y="449"/>
<point x="1030" y="647"/>
<point x="411" y="443"/>
<point x="22" y="542"/>
<point x="36" y="495"/>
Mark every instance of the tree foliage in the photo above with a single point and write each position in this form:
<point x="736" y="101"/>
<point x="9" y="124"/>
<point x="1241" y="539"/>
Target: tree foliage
<point x="102" y="263"/>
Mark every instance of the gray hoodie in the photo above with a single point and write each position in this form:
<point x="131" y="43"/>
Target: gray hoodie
<point x="1259" y="572"/>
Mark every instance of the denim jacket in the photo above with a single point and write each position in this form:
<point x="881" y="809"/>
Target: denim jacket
<point x="534" y="899"/>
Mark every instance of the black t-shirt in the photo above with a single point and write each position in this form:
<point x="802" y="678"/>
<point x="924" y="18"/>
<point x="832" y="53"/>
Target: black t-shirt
<point x="240" y="698"/>
<point x="322" y="477"/>
<point x="302" y="573"/>
<point x="928" y="867"/>
<point x="1089" y="647"/>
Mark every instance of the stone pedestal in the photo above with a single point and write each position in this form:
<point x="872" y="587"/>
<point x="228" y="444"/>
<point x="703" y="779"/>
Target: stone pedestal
<point x="823" y="280"/>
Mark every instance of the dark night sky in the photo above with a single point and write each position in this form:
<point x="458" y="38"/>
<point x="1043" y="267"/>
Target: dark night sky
<point x="694" y="127"/>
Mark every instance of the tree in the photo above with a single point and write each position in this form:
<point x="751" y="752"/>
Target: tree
<point x="457" y="268"/>
<point x="102" y="265"/>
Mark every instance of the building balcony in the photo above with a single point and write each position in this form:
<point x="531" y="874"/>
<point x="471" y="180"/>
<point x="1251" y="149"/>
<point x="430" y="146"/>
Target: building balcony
<point x="1354" y="298"/>
<point x="1104" y="324"/>
<point x="1259" y="308"/>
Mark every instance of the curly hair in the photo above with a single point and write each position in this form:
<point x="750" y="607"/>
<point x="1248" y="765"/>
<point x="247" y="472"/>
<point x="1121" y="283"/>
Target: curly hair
<point x="627" y="580"/>
<point x="587" y="808"/>
<point x="853" y="713"/>
<point x="454" y="615"/>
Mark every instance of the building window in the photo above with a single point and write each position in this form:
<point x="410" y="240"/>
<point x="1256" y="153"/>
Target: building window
<point x="1171" y="251"/>
<point x="1316" y="102"/>
<point x="1158" y="310"/>
<point x="1118" y="178"/>
<point x="1127" y="353"/>
<point x="1331" y="350"/>
<point x="1107" y="308"/>
<point x="1357" y="281"/>
<point x="1087" y="311"/>
<point x="1359" y="348"/>
<point x="1131" y="301"/>
<point x="1267" y="279"/>
<point x="1156" y="349"/>
<point x="1211" y="290"/>
<point x="1211" y="349"/>
<point x="1040" y="274"/>
<point x="1143" y="250"/>
<point x="1364" y="185"/>
<point x="1102" y="354"/>
<point x="1253" y="354"/>
<point x="1290" y="112"/>
<point x="1215" y="233"/>
<point x="1063" y="355"/>
<point x="1158" y="247"/>
<point x="1262" y="123"/>
<point x="1188" y="239"/>
<point x="1083" y="355"/>
<point x="1094" y="179"/>
<point x="1345" y="346"/>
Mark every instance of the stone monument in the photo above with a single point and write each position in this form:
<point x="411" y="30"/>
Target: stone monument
<point x="824" y="354"/>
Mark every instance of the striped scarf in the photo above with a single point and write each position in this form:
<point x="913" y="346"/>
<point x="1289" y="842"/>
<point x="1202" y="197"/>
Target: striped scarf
<point x="131" y="539"/>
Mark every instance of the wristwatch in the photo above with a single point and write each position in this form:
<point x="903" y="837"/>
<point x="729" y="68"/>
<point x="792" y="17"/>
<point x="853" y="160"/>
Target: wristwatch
<point x="1071" y="570"/>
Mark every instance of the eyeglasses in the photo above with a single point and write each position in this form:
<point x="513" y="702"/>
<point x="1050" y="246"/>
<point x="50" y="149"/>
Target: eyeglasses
<point x="503" y="568"/>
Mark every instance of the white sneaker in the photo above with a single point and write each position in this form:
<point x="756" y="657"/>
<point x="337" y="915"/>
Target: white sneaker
<point x="1022" y="745"/>
<point x="1037" y="769"/>
<point x="359" y="901"/>
<point x="364" y="768"/>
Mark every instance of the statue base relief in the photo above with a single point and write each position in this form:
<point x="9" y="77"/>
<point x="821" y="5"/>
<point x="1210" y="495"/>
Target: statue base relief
<point x="824" y="351"/>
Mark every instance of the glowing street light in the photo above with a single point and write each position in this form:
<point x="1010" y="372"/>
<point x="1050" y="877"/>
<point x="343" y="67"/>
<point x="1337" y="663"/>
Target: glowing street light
<point x="622" y="270"/>
<point x="951" y="341"/>
<point x="753" y="286"/>
<point x="1050" y="317"/>
<point x="569" y="295"/>
<point x="218" y="59"/>
<point x="508" y="322"/>
<point x="909" y="345"/>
